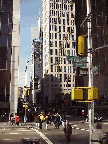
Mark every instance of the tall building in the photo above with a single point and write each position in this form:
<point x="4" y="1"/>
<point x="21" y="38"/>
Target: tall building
<point x="9" y="54"/>
<point x="37" y="58"/>
<point x="59" y="35"/>
<point x="99" y="34"/>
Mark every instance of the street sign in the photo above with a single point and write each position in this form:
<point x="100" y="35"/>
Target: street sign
<point x="77" y="61"/>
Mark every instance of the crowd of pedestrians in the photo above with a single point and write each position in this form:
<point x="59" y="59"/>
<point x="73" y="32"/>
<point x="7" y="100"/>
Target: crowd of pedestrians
<point x="14" y="120"/>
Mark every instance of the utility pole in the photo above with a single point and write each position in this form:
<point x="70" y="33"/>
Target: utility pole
<point x="90" y="104"/>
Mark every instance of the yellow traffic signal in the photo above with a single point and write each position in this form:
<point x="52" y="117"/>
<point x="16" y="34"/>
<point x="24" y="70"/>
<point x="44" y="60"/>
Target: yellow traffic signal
<point x="28" y="92"/>
<point x="81" y="45"/>
<point x="93" y="94"/>
<point x="76" y="94"/>
<point x="26" y="106"/>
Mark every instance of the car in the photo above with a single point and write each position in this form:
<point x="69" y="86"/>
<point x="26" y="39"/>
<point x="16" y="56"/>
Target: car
<point x="97" y="118"/>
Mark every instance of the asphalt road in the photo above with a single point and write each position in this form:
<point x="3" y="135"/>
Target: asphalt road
<point x="80" y="133"/>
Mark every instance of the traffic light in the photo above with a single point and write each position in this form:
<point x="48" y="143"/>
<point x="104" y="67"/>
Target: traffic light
<point x="82" y="45"/>
<point x="28" y="92"/>
<point x="93" y="94"/>
<point x="26" y="106"/>
<point x="76" y="94"/>
<point x="84" y="93"/>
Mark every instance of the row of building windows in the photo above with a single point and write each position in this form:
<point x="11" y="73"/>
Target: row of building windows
<point x="69" y="29"/>
<point x="63" y="45"/>
<point x="60" y="1"/>
<point x="63" y="6"/>
<point x="61" y="14"/>
<point x="65" y="36"/>
<point x="64" y="21"/>
<point x="59" y="68"/>
<point x="6" y="17"/>
<point x="65" y="85"/>
<point x="62" y="52"/>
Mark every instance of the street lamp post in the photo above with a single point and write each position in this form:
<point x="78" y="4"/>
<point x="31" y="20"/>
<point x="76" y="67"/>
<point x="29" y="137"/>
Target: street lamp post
<point x="25" y="90"/>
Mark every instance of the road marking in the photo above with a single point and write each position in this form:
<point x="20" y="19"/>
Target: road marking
<point x="105" y="123"/>
<point x="74" y="125"/>
<point x="86" y="122"/>
<point x="13" y="133"/>
<point x="24" y="130"/>
<point x="87" y="130"/>
<point x="82" y="129"/>
<point x="43" y="136"/>
<point x="7" y="139"/>
<point x="77" y="128"/>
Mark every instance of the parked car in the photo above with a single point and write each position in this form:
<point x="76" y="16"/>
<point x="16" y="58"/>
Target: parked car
<point x="97" y="118"/>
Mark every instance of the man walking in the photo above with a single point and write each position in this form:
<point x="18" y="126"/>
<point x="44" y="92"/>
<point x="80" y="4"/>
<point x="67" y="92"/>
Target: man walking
<point x="68" y="131"/>
<point x="97" y="135"/>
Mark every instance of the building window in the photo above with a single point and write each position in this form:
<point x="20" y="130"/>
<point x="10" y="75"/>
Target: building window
<point x="60" y="77"/>
<point x="73" y="44"/>
<point x="52" y="12"/>
<point x="51" y="59"/>
<point x="56" y="60"/>
<point x="51" y="68"/>
<point x="51" y="51"/>
<point x="52" y="27"/>
<point x="60" y="85"/>
<point x="63" y="28"/>
<point x="55" y="51"/>
<point x="59" y="36"/>
<point x="71" y="7"/>
<point x="55" y="35"/>
<point x="68" y="29"/>
<point x="67" y="21"/>
<point x="64" y="68"/>
<point x="73" y="37"/>
<point x="55" y="20"/>
<point x="68" y="52"/>
<point x="64" y="60"/>
<point x="59" y="28"/>
<point x="51" y="43"/>
<point x="51" y="77"/>
<point x="64" y="21"/>
<point x="55" y="43"/>
<point x="55" y="28"/>
<point x="72" y="16"/>
<point x="65" y="77"/>
<point x="59" y="43"/>
<point x="59" y="20"/>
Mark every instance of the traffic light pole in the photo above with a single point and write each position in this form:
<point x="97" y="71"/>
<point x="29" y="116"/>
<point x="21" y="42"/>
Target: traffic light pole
<point x="91" y="104"/>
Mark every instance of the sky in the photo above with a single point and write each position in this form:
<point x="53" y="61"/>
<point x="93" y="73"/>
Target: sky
<point x="29" y="15"/>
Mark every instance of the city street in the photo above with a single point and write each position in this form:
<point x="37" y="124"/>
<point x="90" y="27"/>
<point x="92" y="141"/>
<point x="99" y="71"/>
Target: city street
<point x="80" y="132"/>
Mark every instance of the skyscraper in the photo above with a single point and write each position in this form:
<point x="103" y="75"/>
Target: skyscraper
<point x="59" y="34"/>
<point x="9" y="54"/>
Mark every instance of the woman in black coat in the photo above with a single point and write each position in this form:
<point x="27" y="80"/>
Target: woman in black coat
<point x="57" y="122"/>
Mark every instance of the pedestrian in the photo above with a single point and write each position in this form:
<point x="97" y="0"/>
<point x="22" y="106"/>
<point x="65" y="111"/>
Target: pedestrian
<point x="57" y="121"/>
<point x="68" y="131"/>
<point x="47" y="121"/>
<point x="97" y="136"/>
<point x="11" y="116"/>
<point x="12" y="121"/>
<point x="15" y="118"/>
<point x="63" y="119"/>
<point x="38" y="122"/>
